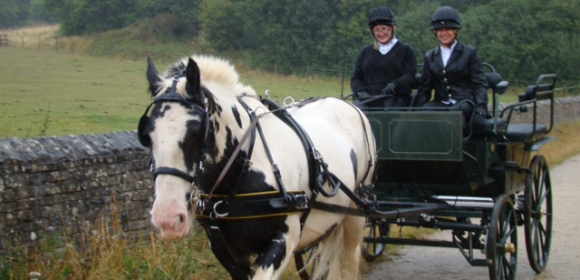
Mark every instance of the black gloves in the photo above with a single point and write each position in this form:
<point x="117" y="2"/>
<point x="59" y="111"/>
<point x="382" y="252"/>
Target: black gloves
<point x="478" y="119"/>
<point x="363" y="95"/>
<point x="390" y="89"/>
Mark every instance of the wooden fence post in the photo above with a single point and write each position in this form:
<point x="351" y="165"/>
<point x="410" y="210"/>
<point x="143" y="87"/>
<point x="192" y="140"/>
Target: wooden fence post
<point x="3" y="40"/>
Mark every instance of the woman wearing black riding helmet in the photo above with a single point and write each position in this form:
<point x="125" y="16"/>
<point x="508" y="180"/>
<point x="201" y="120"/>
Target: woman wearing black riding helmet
<point x="453" y="70"/>
<point x="384" y="71"/>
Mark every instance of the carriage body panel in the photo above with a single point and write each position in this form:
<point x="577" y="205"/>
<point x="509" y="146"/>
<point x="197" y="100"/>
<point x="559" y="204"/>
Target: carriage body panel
<point x="420" y="135"/>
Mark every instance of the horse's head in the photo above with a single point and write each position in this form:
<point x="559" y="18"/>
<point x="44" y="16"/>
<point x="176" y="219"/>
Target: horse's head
<point x="177" y="132"/>
<point x="180" y="133"/>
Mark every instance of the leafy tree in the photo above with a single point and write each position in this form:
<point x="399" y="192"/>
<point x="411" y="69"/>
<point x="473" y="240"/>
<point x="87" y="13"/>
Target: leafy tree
<point x="186" y="10"/>
<point x="38" y="13"/>
<point x="91" y="16"/>
<point x="10" y="13"/>
<point x="221" y="26"/>
<point x="524" y="38"/>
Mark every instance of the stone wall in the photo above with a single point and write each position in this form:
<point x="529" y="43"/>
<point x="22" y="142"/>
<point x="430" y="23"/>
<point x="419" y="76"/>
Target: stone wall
<point x="56" y="185"/>
<point x="53" y="185"/>
<point x="566" y="110"/>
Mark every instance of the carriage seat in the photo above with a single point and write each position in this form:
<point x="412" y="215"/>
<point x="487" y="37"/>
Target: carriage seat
<point x="527" y="131"/>
<point x="520" y="132"/>
<point x="499" y="87"/>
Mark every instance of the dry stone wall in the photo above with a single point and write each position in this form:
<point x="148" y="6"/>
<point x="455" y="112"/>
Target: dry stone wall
<point x="55" y="185"/>
<point x="566" y="110"/>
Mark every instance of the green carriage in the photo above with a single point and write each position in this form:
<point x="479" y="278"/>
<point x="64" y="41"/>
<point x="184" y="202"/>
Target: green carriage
<point x="480" y="184"/>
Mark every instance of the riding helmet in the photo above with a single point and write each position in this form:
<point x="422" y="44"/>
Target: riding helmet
<point x="446" y="17"/>
<point x="381" y="15"/>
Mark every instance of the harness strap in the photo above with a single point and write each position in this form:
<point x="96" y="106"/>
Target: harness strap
<point x="262" y="207"/>
<point x="306" y="142"/>
<point x="174" y="172"/>
<point x="231" y="160"/>
<point x="247" y="162"/>
<point x="338" y="184"/>
<point x="318" y="168"/>
<point x="277" y="174"/>
<point x="335" y="208"/>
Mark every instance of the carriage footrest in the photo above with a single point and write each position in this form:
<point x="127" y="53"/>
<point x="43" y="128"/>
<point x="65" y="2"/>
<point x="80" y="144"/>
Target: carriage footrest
<point x="472" y="169"/>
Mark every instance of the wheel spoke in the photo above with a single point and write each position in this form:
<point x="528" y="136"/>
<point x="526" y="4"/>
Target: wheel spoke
<point x="543" y="197"/>
<point x="540" y="241"/>
<point x="506" y="267"/>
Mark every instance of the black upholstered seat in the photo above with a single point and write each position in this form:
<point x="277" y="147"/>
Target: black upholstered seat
<point x="524" y="131"/>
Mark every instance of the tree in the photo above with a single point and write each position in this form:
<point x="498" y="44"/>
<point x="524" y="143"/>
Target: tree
<point x="10" y="13"/>
<point x="91" y="16"/>
<point x="186" y="10"/>
<point x="38" y="13"/>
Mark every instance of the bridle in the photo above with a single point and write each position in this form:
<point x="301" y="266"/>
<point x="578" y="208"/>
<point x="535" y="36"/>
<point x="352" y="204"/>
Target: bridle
<point x="173" y="96"/>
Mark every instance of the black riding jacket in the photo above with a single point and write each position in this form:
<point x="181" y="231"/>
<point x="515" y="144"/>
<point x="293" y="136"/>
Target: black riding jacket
<point x="462" y="78"/>
<point x="373" y="70"/>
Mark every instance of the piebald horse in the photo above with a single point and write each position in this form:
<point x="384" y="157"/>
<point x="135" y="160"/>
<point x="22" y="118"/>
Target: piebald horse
<point x="249" y="171"/>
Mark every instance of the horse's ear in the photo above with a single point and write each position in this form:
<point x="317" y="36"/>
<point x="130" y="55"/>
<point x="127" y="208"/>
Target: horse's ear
<point x="155" y="81"/>
<point x="193" y="76"/>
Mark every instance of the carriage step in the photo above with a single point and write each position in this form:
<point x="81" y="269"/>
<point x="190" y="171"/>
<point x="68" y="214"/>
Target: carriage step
<point x="466" y="201"/>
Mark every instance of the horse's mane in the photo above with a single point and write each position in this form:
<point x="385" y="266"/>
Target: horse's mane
<point x="213" y="69"/>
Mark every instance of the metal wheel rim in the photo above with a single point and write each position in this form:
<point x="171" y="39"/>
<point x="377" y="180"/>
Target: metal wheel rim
<point x="374" y="228"/>
<point x="501" y="236"/>
<point x="538" y="214"/>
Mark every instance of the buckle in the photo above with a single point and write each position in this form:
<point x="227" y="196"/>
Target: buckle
<point x="301" y="201"/>
<point x="215" y="210"/>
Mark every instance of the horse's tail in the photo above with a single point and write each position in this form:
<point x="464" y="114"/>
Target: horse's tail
<point x="339" y="255"/>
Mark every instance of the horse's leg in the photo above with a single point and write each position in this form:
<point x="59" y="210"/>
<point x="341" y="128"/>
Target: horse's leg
<point x="273" y="261"/>
<point x="353" y="227"/>
<point x="236" y="269"/>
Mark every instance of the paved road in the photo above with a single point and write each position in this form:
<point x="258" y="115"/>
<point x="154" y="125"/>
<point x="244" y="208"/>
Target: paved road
<point x="447" y="263"/>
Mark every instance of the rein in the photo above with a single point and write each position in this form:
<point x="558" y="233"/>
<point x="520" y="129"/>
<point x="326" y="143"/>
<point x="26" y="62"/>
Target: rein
<point x="226" y="168"/>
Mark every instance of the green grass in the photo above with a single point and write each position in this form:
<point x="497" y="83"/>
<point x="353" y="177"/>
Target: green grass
<point x="50" y="93"/>
<point x="46" y="93"/>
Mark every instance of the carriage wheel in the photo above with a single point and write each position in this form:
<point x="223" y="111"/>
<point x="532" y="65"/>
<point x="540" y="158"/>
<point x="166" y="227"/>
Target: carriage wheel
<point x="502" y="240"/>
<point x="538" y="214"/>
<point x="375" y="228"/>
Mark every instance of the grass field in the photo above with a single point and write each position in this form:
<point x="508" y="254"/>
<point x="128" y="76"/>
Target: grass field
<point x="50" y="93"/>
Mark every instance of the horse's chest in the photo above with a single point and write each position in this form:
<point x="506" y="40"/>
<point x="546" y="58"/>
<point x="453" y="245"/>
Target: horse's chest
<point x="249" y="236"/>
